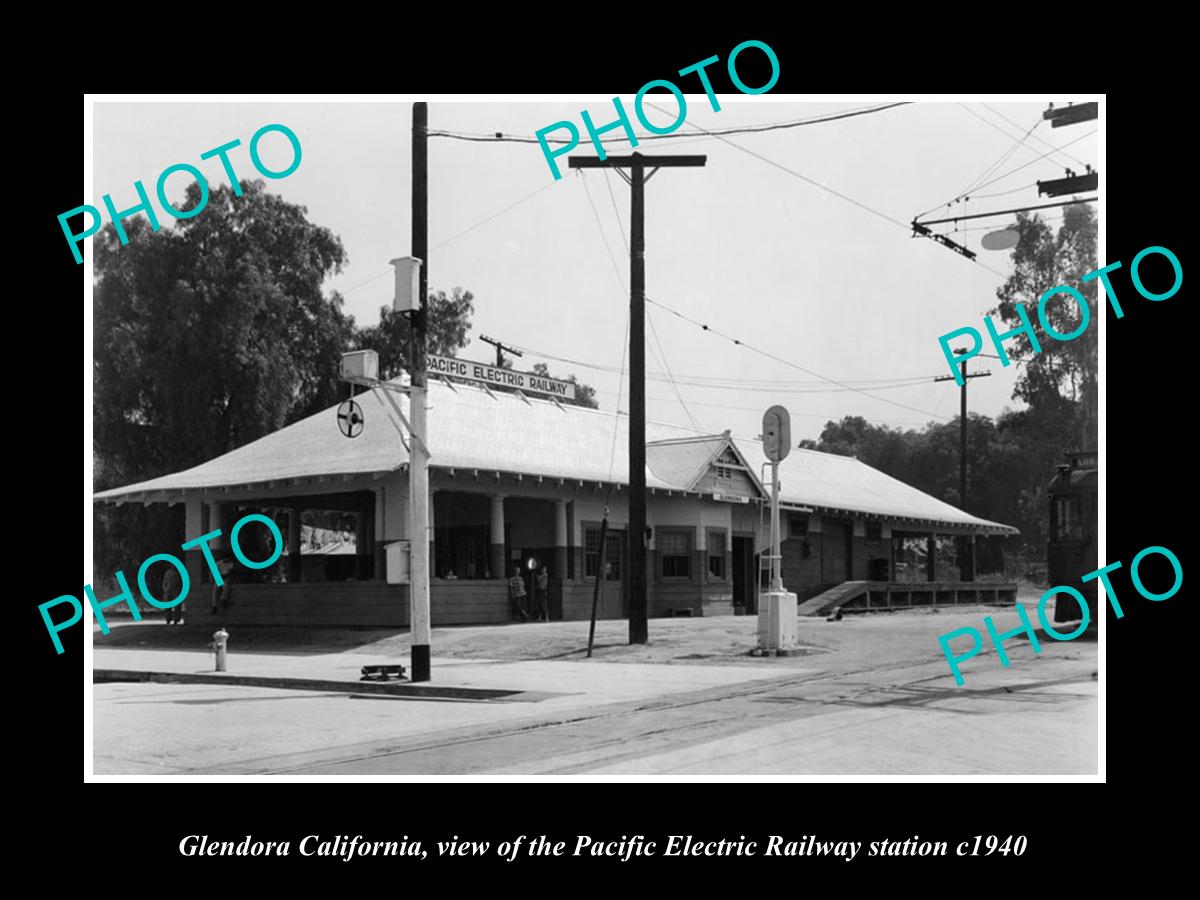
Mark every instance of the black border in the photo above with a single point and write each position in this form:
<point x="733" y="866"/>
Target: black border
<point x="1147" y="448"/>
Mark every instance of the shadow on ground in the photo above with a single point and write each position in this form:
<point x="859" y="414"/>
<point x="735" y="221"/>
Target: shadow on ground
<point x="196" y="635"/>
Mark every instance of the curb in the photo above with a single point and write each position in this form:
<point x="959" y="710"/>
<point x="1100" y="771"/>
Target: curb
<point x="399" y="689"/>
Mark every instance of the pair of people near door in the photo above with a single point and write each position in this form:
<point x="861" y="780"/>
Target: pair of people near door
<point x="518" y="595"/>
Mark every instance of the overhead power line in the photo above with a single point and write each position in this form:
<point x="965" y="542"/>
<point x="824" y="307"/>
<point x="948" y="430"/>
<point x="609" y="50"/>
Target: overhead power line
<point x="735" y="384"/>
<point x="612" y="453"/>
<point x="621" y="281"/>
<point x="494" y="215"/>
<point x="1040" y="140"/>
<point x="460" y="234"/>
<point x="1003" y="212"/>
<point x="758" y="410"/>
<point x="1012" y="171"/>
<point x="1004" y="157"/>
<point x="788" y="362"/>
<point x="502" y="137"/>
<point x="1032" y="161"/>
<point x="792" y="172"/>
<point x="823" y="187"/>
<point x="732" y="384"/>
<point x="704" y="327"/>
<point x="661" y="356"/>
<point x="1023" y="187"/>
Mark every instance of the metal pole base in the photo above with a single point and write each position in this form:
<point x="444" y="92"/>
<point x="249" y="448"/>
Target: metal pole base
<point x="420" y="662"/>
<point x="777" y="623"/>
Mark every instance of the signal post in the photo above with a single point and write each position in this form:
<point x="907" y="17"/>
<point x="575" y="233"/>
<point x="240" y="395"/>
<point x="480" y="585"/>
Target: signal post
<point x="777" y="622"/>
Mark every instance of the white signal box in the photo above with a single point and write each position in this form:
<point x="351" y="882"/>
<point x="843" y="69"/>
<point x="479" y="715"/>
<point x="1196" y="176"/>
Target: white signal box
<point x="408" y="291"/>
<point x="360" y="364"/>
<point x="398" y="560"/>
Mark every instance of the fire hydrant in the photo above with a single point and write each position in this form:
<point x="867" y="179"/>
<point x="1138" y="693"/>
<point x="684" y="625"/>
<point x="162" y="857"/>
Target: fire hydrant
<point x="220" y="638"/>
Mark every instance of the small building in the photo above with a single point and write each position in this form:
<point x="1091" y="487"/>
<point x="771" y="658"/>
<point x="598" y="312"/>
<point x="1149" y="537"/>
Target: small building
<point x="515" y="478"/>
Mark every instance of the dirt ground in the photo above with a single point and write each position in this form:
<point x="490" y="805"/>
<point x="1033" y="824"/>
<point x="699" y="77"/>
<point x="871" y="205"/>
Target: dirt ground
<point x="719" y="640"/>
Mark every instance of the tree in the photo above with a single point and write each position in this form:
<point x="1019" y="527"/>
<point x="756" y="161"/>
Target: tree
<point x="213" y="334"/>
<point x="445" y="333"/>
<point x="585" y="394"/>
<point x="1010" y="461"/>
<point x="1062" y="377"/>
<point x="208" y="335"/>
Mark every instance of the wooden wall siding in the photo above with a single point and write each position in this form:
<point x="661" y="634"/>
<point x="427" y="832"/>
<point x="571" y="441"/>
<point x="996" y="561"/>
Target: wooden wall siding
<point x="834" y="549"/>
<point x="707" y="600"/>
<point x="702" y="599"/>
<point x="362" y="603"/>
<point x="717" y="600"/>
<point x="740" y="484"/>
<point x="577" y="602"/>
<point x="801" y="574"/>
<point x="382" y="605"/>
<point x="469" y="602"/>
<point x="865" y="552"/>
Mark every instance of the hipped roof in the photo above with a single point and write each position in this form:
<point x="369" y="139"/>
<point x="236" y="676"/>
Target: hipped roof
<point x="474" y="429"/>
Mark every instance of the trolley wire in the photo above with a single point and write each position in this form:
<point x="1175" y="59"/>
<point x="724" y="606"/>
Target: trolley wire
<point x="502" y="137"/>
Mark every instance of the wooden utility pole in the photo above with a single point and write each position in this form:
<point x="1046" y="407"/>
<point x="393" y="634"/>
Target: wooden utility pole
<point x="501" y="349"/>
<point x="637" y="178"/>
<point x="967" y="572"/>
<point x="418" y="460"/>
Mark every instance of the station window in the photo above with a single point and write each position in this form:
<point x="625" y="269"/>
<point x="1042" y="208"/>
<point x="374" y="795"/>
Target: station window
<point x="612" y="555"/>
<point x="591" y="552"/>
<point x="716" y="553"/>
<point x="675" y="551"/>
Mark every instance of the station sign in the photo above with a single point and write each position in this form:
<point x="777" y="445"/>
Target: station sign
<point x="508" y="378"/>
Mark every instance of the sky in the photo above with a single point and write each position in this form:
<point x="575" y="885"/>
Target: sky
<point x="830" y="285"/>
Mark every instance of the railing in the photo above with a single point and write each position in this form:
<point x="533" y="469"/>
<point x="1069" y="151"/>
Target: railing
<point x="880" y="596"/>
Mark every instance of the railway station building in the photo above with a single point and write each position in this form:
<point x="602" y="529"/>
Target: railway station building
<point x="516" y="479"/>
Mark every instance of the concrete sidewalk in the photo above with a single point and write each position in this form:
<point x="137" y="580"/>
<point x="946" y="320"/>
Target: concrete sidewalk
<point x="211" y="727"/>
<point x="588" y="682"/>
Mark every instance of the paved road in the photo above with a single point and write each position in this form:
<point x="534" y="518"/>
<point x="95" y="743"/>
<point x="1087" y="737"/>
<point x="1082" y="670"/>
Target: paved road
<point x="884" y="703"/>
<point x="907" y="719"/>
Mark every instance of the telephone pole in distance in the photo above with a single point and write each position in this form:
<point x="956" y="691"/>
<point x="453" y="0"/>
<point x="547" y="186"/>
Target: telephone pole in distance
<point x="967" y="572"/>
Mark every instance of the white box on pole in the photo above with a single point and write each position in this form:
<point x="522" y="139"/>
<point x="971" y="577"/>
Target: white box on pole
<point x="396" y="555"/>
<point x="360" y="364"/>
<point x="408" y="284"/>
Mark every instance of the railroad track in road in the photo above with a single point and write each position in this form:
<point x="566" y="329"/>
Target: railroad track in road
<point x="736" y="709"/>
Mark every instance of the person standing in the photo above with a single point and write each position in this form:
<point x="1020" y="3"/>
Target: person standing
<point x="222" y="593"/>
<point x="171" y="587"/>
<point x="541" y="610"/>
<point x="516" y="593"/>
